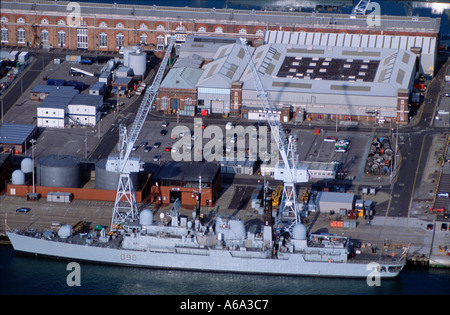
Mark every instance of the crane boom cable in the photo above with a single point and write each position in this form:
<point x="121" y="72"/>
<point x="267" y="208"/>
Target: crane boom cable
<point x="289" y="208"/>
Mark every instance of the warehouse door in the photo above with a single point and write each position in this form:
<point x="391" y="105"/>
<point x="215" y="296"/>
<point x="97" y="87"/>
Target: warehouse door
<point x="174" y="103"/>
<point x="174" y="195"/>
<point x="217" y="107"/>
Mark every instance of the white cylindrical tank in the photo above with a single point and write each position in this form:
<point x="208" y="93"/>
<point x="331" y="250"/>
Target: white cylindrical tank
<point x="18" y="177"/>
<point x="26" y="165"/>
<point x="65" y="231"/>
<point x="126" y="51"/>
<point x="138" y="62"/>
<point x="146" y="217"/>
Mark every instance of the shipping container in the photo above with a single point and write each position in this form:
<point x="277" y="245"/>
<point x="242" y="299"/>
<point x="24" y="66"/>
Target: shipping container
<point x="349" y="224"/>
<point x="57" y="82"/>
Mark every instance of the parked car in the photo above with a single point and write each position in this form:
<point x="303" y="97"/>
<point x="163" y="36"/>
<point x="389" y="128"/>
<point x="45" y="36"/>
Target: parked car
<point x="144" y="143"/>
<point x="23" y="209"/>
<point x="444" y="227"/>
<point x="167" y="149"/>
<point x="135" y="147"/>
<point x="156" y="157"/>
<point x="147" y="149"/>
<point x="443" y="194"/>
<point x="165" y="124"/>
<point x="157" y="144"/>
<point x="430" y="226"/>
<point x="163" y="132"/>
<point x="330" y="139"/>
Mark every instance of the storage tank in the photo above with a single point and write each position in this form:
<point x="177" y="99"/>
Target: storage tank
<point x="58" y="171"/>
<point x="18" y="178"/>
<point x="138" y="62"/>
<point x="109" y="180"/>
<point x="126" y="51"/>
<point x="26" y="165"/>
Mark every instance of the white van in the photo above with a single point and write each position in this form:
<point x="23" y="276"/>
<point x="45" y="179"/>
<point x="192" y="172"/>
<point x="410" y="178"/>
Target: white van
<point x="228" y="126"/>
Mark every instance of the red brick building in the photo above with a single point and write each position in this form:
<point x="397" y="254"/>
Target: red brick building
<point x="107" y="26"/>
<point x="181" y="180"/>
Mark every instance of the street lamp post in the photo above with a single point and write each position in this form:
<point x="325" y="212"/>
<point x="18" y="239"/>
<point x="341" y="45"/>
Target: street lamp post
<point x="33" y="141"/>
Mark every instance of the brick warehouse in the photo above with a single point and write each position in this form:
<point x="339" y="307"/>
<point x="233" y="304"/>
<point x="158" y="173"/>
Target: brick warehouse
<point x="107" y="27"/>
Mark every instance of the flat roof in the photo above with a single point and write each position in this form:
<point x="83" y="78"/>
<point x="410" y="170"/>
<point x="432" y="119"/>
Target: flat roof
<point x="15" y="133"/>
<point x="41" y="88"/>
<point x="87" y="100"/>
<point x="187" y="171"/>
<point x="328" y="196"/>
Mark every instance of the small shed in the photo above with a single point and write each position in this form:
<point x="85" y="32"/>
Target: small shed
<point x="16" y="137"/>
<point x="64" y="197"/>
<point x="334" y="201"/>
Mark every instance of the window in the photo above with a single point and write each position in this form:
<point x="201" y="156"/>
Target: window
<point x="61" y="38"/>
<point x="44" y="21"/>
<point x="143" y="26"/>
<point x="218" y="29"/>
<point x="163" y="103"/>
<point x="61" y="22"/>
<point x="181" y="33"/>
<point x="82" y="38"/>
<point x="21" y="35"/>
<point x="188" y="101"/>
<point x="143" y="38"/>
<point x="160" y="27"/>
<point x="4" y="35"/>
<point x="119" y="40"/>
<point x="103" y="39"/>
<point x="4" y="19"/>
<point x="119" y="25"/>
<point x="201" y="29"/>
<point x="103" y="24"/>
<point x="259" y="32"/>
<point x="160" y="42"/>
<point x="44" y="36"/>
<point x="242" y="31"/>
<point x="20" y="19"/>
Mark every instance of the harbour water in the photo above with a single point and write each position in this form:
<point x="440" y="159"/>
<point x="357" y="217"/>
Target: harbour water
<point x="39" y="276"/>
<point x="27" y="275"/>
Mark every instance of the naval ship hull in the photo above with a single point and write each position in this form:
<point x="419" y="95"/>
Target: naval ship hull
<point x="214" y="260"/>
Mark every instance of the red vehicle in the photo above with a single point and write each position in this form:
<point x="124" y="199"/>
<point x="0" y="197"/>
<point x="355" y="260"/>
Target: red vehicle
<point x="203" y="126"/>
<point x="437" y="209"/>
<point x="167" y="149"/>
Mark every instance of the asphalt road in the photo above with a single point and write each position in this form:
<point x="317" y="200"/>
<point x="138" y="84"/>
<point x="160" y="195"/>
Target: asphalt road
<point x="14" y="92"/>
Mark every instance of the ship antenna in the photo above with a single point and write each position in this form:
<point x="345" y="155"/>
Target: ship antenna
<point x="7" y="229"/>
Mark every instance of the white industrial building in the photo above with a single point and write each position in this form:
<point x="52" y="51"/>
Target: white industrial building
<point x="63" y="108"/>
<point x="342" y="83"/>
<point x="214" y="86"/>
<point x="84" y="109"/>
<point x="335" y="201"/>
<point x="425" y="47"/>
<point x="53" y="110"/>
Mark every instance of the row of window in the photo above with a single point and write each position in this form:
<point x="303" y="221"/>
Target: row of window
<point x="142" y="26"/>
<point x="82" y="37"/>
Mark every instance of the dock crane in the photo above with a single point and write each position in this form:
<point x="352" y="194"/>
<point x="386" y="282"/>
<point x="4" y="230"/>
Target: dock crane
<point x="125" y="205"/>
<point x="288" y="171"/>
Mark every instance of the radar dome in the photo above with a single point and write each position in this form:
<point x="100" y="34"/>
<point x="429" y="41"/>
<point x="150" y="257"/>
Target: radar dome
<point x="146" y="217"/>
<point x="18" y="177"/>
<point x="65" y="231"/>
<point x="299" y="232"/>
<point x="26" y="165"/>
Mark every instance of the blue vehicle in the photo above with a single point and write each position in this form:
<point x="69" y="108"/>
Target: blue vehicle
<point x="23" y="209"/>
